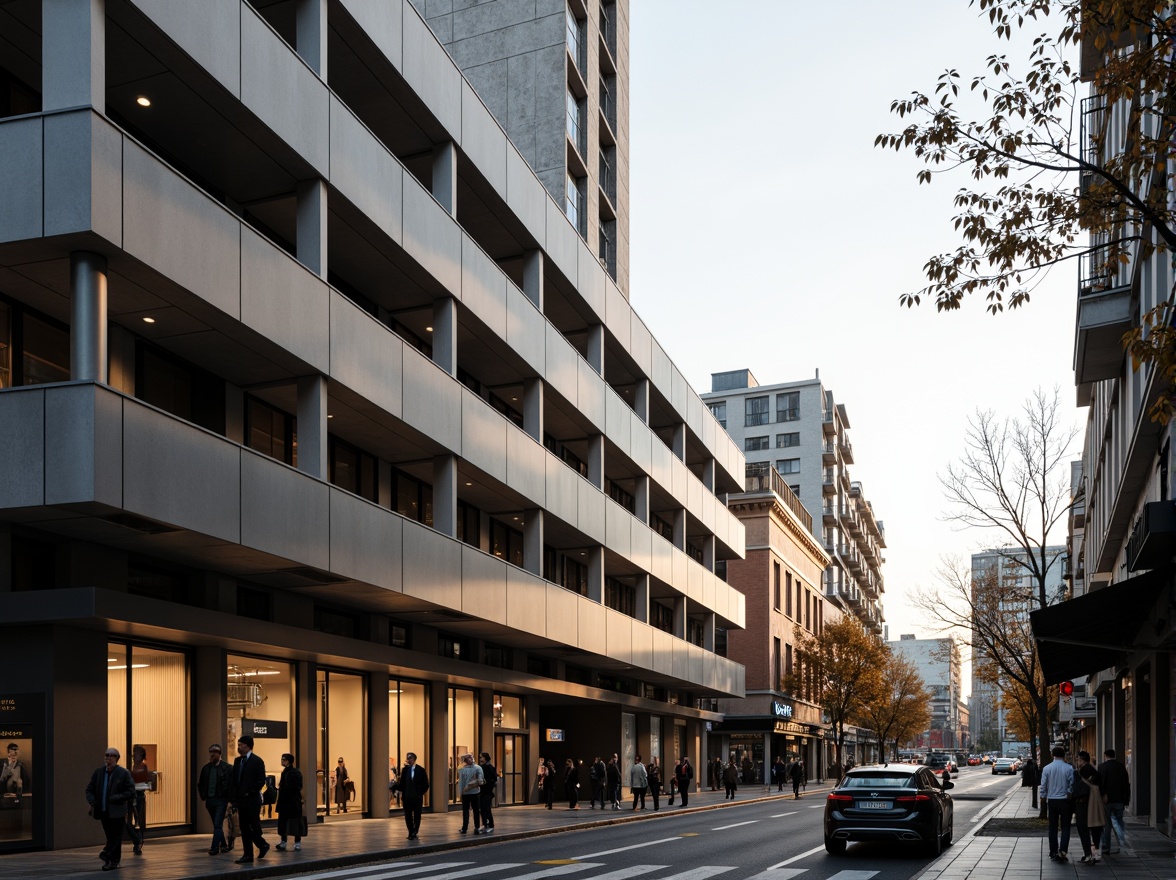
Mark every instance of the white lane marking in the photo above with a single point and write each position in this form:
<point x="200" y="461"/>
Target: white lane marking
<point x="817" y="807"/>
<point x="782" y="815"/>
<point x="631" y="871"/>
<point x="557" y="871"/>
<point x="779" y="874"/>
<point x="803" y="855"/>
<point x="609" y="852"/>
<point x="470" y="872"/>
<point x="853" y="875"/>
<point x="736" y="825"/>
<point x="700" y="873"/>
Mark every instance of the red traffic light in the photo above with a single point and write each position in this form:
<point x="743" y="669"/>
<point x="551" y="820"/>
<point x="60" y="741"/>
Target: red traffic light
<point x="1066" y="688"/>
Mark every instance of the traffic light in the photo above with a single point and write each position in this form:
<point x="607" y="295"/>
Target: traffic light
<point x="1066" y="688"/>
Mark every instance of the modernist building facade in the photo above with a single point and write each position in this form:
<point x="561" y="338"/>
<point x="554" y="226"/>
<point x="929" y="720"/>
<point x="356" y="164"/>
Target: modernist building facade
<point x="938" y="664"/>
<point x="320" y="421"/>
<point x="801" y="431"/>
<point x="781" y="578"/>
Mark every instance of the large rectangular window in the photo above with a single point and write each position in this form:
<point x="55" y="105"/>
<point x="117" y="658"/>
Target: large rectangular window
<point x="5" y="346"/>
<point x="506" y="542"/>
<point x="788" y="465"/>
<point x="270" y="431"/>
<point x="352" y="469"/>
<point x="408" y="728"/>
<point x="463" y="734"/>
<point x="620" y="597"/>
<point x="755" y="411"/>
<point x="575" y="114"/>
<point x="33" y="349"/>
<point x="788" y="406"/>
<point x="719" y="411"/>
<point x="755" y="444"/>
<point x="783" y="441"/>
<point x="574" y="37"/>
<point x="574" y="203"/>
<point x="178" y="387"/>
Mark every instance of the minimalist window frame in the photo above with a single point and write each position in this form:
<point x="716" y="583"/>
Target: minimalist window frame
<point x="755" y="411"/>
<point x="788" y="441"/>
<point x="788" y="466"/>
<point x="788" y="406"/>
<point x="755" y="444"/>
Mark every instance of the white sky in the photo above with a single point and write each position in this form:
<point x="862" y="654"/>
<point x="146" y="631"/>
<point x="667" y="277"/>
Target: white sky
<point x="768" y="232"/>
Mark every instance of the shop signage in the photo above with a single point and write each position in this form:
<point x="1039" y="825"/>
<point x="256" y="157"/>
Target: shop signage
<point x="261" y="729"/>
<point x="554" y="735"/>
<point x="781" y="710"/>
<point x="22" y="800"/>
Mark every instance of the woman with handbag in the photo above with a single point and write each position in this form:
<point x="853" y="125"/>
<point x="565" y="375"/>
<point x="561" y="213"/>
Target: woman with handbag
<point x="1089" y="809"/>
<point x="342" y="777"/>
<point x="291" y="815"/>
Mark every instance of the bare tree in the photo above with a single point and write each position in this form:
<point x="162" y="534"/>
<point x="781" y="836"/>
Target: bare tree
<point x="900" y="706"/>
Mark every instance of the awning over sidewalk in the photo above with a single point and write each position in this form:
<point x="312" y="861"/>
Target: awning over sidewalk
<point x="1096" y="631"/>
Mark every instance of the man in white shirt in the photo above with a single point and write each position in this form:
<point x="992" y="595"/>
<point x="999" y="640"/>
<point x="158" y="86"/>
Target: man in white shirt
<point x="1057" y="778"/>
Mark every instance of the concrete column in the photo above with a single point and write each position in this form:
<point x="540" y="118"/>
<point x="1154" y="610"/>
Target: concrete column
<point x="485" y="743"/>
<point x="680" y="529"/>
<point x="596" y="461"/>
<point x="643" y="603"/>
<point x="708" y="553"/>
<point x="708" y="474"/>
<point x="311" y="36"/>
<point x="680" y="617"/>
<point x="641" y="400"/>
<point x="5" y="558"/>
<point x="445" y="334"/>
<point x="708" y="635"/>
<point x="73" y="54"/>
<point x="384" y="483"/>
<point x="641" y="499"/>
<point x="445" y="494"/>
<point x="310" y="245"/>
<point x="533" y="408"/>
<point x="533" y="277"/>
<point x="234" y="413"/>
<point x="87" y="332"/>
<point x="533" y="541"/>
<point x="680" y="440"/>
<point x="596" y="574"/>
<point x="596" y="348"/>
<point x="307" y="707"/>
<point x="312" y="426"/>
<point x="438" y="756"/>
<point x="210" y="695"/>
<point x="376" y="780"/>
<point x="445" y="176"/>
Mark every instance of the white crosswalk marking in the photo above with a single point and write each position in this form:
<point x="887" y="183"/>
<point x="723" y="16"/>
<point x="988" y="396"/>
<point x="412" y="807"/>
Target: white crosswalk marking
<point x="400" y="869"/>
<point x="702" y="872"/>
<point x="779" y="874"/>
<point x="477" y="870"/>
<point x="631" y="871"/>
<point x="853" y="875"/>
<point x="560" y="870"/>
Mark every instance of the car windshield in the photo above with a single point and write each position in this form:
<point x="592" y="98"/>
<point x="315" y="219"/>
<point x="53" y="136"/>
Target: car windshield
<point x="878" y="780"/>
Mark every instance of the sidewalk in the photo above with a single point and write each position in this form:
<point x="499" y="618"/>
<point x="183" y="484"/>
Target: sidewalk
<point x="978" y="856"/>
<point x="338" y="843"/>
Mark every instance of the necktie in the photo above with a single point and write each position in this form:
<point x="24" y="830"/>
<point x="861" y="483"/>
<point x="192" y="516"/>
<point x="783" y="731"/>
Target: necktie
<point x="105" y="785"/>
<point x="241" y="767"/>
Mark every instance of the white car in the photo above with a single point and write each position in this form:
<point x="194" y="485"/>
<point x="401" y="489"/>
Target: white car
<point x="1004" y="765"/>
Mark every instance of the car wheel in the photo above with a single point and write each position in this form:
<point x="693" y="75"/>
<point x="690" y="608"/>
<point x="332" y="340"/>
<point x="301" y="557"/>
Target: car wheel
<point x="834" y="846"/>
<point x="935" y="844"/>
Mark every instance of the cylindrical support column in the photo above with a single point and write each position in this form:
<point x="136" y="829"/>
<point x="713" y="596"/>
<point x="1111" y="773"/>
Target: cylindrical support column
<point x="680" y="616"/>
<point x="680" y="528"/>
<point x="596" y="348"/>
<point x="533" y="541"/>
<point x="533" y="277"/>
<point x="533" y="408"/>
<point x="643" y="598"/>
<point x="445" y="494"/>
<point x="596" y="574"/>
<point x="596" y="461"/>
<point x="445" y="334"/>
<point x="641" y="499"/>
<point x="312" y="426"/>
<point x="73" y="54"/>
<point x="311" y="220"/>
<point x="641" y="400"/>
<point x="311" y="34"/>
<point x="708" y="632"/>
<point x="680" y="440"/>
<point x="708" y="474"/>
<point x="87" y="334"/>
<point x="445" y="176"/>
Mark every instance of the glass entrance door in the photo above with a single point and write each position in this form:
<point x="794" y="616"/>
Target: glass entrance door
<point x="510" y="757"/>
<point x="342" y="723"/>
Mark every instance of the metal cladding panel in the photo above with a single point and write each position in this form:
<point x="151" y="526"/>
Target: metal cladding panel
<point x="483" y="585"/>
<point x="526" y="465"/>
<point x="482" y="139"/>
<point x="83" y="445"/>
<point x="641" y="440"/>
<point x="366" y="356"/>
<point x="209" y="31"/>
<point x="432" y="566"/>
<point x="591" y="509"/>
<point x="483" y="435"/>
<point x="663" y="652"/>
<point x="662" y="559"/>
<point x="661" y="370"/>
<point x="383" y="21"/>
<point x="429" y="70"/>
<point x="680" y="658"/>
<point x="483" y="287"/>
<point x="641" y="544"/>
<point x="366" y="541"/>
<point x="592" y="282"/>
<point x="83" y="175"/>
<point x="284" y="511"/>
<point x="285" y="302"/>
<point x="694" y="663"/>
<point x="526" y="601"/>
<point x="431" y="236"/>
<point x="661" y="463"/>
<point x="179" y="231"/>
<point x="642" y="645"/>
<point x="562" y="615"/>
<point x="681" y="571"/>
<point x="22" y="158"/>
<point x="526" y="196"/>
<point x="680" y="481"/>
<point x="563" y="244"/>
<point x="618" y="421"/>
<point x="526" y="330"/>
<point x="709" y="588"/>
<point x="591" y="635"/>
<point x="641" y="344"/>
<point x="365" y="173"/>
<point x="694" y="576"/>
<point x="706" y="508"/>
<point x="619" y="525"/>
<point x="679" y="391"/>
<point x="179" y="474"/>
<point x="590" y="389"/>
<point x="22" y="448"/>
<point x="619" y="314"/>
<point x="285" y="94"/>
<point x="562" y="493"/>
<point x="562" y="362"/>
<point x="432" y="400"/>
<point x="618" y="635"/>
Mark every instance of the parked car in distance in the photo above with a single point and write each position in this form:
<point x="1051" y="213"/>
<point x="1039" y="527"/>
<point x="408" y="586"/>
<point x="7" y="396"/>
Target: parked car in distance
<point x="1004" y="765"/>
<point x="890" y="802"/>
<point x="973" y="760"/>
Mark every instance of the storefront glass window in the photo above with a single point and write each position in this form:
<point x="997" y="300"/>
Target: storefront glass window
<point x="343" y="718"/>
<point x="463" y="733"/>
<point x="147" y="709"/>
<point x="408" y="727"/>
<point x="508" y="712"/>
<point x="261" y="704"/>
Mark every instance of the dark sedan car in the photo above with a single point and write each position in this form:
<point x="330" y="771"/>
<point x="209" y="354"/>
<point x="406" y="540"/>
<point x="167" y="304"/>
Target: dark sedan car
<point x="898" y="802"/>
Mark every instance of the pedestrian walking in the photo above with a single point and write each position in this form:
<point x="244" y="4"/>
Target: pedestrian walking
<point x="795" y="775"/>
<point x="137" y="815"/>
<point x="599" y="775"/>
<point x="291" y="807"/>
<point x="412" y="785"/>
<point x="572" y="784"/>
<point x="549" y="784"/>
<point x="249" y="776"/>
<point x="779" y="773"/>
<point x="1116" y="788"/>
<point x="638" y="782"/>
<point x="215" y="787"/>
<point x="540" y="775"/>
<point x="110" y="794"/>
<point x="342" y="780"/>
<point x="730" y="780"/>
<point x="469" y="782"/>
<point x="1057" y="779"/>
<point x="1089" y="813"/>
<point x="654" y="774"/>
<point x="684" y="774"/>
<point x="489" y="789"/>
<point x="613" y="777"/>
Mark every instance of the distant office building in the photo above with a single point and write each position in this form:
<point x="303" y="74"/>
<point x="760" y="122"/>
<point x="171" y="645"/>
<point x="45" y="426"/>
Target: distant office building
<point x="799" y="430"/>
<point x="938" y="664"/>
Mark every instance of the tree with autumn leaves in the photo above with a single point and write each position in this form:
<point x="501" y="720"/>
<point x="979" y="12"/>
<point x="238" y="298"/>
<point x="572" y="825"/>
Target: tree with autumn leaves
<point x="1055" y="180"/>
<point x="857" y="681"/>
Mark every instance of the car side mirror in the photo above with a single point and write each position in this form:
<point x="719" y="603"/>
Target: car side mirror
<point x="948" y="784"/>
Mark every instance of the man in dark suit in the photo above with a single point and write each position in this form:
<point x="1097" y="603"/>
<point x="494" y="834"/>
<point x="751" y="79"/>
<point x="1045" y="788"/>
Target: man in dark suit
<point x="110" y="790"/>
<point x="248" y="779"/>
<point x="412" y="784"/>
<point x="215" y="787"/>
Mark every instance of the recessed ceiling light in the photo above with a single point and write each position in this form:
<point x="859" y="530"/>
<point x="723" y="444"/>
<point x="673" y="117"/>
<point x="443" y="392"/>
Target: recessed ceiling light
<point x="148" y="320"/>
<point x="330" y="415"/>
<point x="143" y="101"/>
<point x="429" y="329"/>
<point x="469" y="484"/>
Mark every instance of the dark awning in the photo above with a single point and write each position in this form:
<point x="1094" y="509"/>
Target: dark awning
<point x="1096" y="631"/>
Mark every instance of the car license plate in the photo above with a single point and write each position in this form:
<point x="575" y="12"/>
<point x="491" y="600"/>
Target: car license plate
<point x="873" y="805"/>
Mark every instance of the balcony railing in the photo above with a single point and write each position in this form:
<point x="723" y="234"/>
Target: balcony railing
<point x="757" y="479"/>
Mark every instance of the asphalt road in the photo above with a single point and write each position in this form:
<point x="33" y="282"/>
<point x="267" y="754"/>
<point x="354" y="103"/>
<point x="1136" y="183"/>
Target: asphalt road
<point x="774" y="840"/>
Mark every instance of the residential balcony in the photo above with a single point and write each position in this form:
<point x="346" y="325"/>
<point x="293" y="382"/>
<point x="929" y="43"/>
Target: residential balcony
<point x="827" y="423"/>
<point x="829" y="513"/>
<point x="829" y="453"/>
<point x="846" y="448"/>
<point x="829" y="483"/>
<point x="1104" y="315"/>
